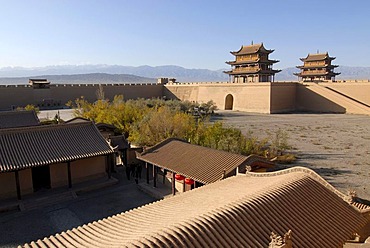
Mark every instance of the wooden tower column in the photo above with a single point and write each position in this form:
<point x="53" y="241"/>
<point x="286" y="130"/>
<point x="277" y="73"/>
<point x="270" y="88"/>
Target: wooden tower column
<point x="154" y="176"/>
<point x="173" y="183"/>
<point x="69" y="174"/>
<point x="147" y="172"/>
<point x="18" y="185"/>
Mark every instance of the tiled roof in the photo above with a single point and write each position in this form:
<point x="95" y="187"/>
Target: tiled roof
<point x="317" y="56"/>
<point x="77" y="120"/>
<point x="240" y="211"/>
<point x="40" y="145"/>
<point x="251" y="49"/>
<point x="18" y="119"/>
<point x="199" y="163"/>
<point x="119" y="142"/>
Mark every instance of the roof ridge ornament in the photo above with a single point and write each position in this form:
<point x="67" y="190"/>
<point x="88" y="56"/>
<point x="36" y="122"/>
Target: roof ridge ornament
<point x="278" y="242"/>
<point x="351" y="196"/>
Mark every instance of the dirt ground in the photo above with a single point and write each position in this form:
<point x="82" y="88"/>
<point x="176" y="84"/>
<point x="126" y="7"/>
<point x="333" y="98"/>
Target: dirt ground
<point x="337" y="146"/>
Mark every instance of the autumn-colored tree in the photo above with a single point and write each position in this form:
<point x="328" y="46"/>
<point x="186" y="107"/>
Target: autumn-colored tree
<point x="160" y="124"/>
<point x="149" y="122"/>
<point x="29" y="107"/>
<point x="119" y="113"/>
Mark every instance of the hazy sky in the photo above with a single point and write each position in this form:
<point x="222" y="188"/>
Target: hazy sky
<point x="188" y="33"/>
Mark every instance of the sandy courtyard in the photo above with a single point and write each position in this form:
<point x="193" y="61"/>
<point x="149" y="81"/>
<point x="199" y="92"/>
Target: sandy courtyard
<point x="336" y="146"/>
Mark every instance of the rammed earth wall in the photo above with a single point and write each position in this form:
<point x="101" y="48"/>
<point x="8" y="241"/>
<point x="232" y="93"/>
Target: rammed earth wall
<point x="278" y="97"/>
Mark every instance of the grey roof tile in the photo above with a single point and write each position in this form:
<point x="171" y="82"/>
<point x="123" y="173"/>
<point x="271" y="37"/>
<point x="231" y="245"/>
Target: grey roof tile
<point x="40" y="145"/>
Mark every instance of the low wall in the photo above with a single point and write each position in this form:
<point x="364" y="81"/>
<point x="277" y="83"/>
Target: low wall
<point x="87" y="169"/>
<point x="58" y="175"/>
<point x="8" y="188"/>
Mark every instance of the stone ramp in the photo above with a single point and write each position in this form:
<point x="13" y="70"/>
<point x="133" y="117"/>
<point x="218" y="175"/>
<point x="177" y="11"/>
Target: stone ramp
<point x="351" y="105"/>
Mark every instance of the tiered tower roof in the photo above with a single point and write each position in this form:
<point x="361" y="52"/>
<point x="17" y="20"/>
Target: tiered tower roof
<point x="317" y="67"/>
<point x="252" y="64"/>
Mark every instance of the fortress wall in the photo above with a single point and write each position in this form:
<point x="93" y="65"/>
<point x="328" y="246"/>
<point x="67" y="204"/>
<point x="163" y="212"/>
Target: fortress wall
<point x="283" y="97"/>
<point x="246" y="97"/>
<point x="64" y="94"/>
<point x="323" y="97"/>
<point x="183" y="92"/>
<point x="254" y="97"/>
<point x="21" y="95"/>
<point x="358" y="91"/>
<point x="135" y="91"/>
<point x="15" y="96"/>
<point x="309" y="98"/>
<point x="251" y="97"/>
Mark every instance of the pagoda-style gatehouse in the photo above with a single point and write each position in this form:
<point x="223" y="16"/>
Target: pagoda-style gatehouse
<point x="252" y="64"/>
<point x="317" y="67"/>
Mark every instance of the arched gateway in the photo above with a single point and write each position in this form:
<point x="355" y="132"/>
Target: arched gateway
<point x="229" y="102"/>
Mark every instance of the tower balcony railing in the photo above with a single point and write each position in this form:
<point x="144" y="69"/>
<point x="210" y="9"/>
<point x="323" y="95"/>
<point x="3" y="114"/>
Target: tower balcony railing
<point x="313" y="72"/>
<point x="247" y="59"/>
<point x="246" y="69"/>
<point x="315" y="65"/>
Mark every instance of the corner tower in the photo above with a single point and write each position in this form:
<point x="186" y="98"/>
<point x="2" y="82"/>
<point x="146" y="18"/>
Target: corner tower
<point x="252" y="64"/>
<point x="317" y="67"/>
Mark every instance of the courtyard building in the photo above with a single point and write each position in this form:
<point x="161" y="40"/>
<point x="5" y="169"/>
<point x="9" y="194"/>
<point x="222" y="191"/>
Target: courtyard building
<point x="50" y="156"/>
<point x="252" y="64"/>
<point x="185" y="166"/>
<point x="317" y="68"/>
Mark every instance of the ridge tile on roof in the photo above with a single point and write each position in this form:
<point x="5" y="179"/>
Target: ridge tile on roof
<point x="240" y="211"/>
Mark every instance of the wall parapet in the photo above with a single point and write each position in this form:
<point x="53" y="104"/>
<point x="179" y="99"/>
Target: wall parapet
<point x="74" y="85"/>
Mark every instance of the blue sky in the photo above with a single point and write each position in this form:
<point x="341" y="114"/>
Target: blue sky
<point x="192" y="33"/>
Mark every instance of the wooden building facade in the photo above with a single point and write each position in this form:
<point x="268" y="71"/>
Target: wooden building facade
<point x="317" y="68"/>
<point x="186" y="166"/>
<point x="50" y="156"/>
<point x="252" y="64"/>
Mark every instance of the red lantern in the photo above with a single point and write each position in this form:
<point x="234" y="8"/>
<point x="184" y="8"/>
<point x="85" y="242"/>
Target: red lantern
<point x="179" y="177"/>
<point x="189" y="181"/>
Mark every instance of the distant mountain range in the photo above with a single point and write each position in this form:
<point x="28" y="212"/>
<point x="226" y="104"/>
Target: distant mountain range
<point x="88" y="78"/>
<point x="129" y="74"/>
<point x="347" y="72"/>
